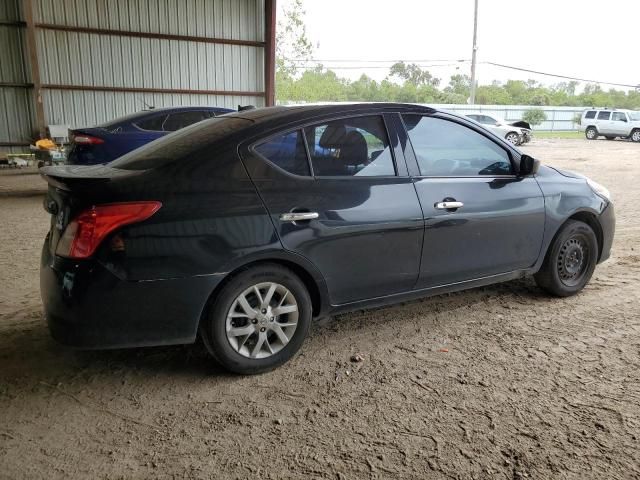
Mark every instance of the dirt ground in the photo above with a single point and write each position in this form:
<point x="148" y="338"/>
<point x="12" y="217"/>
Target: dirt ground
<point x="496" y="382"/>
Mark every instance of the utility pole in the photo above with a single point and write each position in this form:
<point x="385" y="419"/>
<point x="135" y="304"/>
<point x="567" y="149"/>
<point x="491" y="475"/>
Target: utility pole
<point x="472" y="100"/>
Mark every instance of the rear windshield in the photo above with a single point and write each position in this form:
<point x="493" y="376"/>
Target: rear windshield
<point x="180" y="144"/>
<point x="126" y="119"/>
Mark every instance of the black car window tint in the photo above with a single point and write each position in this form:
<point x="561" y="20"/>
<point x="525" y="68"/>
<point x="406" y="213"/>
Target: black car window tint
<point x="351" y="147"/>
<point x="604" y="115"/>
<point x="152" y="123"/>
<point x="176" y="121"/>
<point x="448" y="149"/>
<point x="590" y="114"/>
<point x="287" y="152"/>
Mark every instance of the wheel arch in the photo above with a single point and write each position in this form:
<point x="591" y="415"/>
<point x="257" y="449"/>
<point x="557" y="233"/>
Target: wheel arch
<point x="307" y="272"/>
<point x="591" y="219"/>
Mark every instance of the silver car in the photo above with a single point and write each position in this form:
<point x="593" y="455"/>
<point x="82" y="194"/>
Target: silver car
<point x="512" y="133"/>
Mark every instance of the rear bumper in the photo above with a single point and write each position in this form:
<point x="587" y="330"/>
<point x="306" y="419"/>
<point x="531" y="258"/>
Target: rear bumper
<point x="87" y="306"/>
<point x="608" y="223"/>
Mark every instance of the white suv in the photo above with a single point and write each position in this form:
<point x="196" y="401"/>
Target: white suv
<point x="610" y="124"/>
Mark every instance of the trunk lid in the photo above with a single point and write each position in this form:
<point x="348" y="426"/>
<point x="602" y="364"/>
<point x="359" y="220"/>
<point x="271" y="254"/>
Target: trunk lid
<point x="73" y="188"/>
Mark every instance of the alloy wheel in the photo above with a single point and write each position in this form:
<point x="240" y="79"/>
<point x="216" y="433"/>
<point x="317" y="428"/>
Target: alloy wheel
<point x="635" y="136"/>
<point x="262" y="320"/>
<point x="513" y="138"/>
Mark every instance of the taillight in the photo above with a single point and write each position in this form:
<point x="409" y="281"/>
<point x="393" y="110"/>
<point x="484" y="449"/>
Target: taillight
<point x="86" y="231"/>
<point x="87" y="140"/>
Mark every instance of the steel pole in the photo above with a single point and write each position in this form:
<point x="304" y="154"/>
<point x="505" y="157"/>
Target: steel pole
<point x="472" y="99"/>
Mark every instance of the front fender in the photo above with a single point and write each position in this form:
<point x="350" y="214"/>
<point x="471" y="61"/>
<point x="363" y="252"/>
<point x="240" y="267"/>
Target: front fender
<point x="565" y="197"/>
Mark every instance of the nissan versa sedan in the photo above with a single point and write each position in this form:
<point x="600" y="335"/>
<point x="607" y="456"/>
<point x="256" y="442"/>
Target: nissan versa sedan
<point x="244" y="228"/>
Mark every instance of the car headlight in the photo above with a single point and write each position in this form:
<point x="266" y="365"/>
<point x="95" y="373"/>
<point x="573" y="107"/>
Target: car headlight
<point x="599" y="189"/>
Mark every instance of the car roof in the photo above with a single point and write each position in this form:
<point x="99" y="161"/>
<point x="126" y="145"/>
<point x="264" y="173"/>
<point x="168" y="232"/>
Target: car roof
<point x="291" y="113"/>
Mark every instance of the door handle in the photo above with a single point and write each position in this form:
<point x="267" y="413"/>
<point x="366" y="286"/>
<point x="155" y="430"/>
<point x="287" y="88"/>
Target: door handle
<point x="449" y="205"/>
<point x="298" y="216"/>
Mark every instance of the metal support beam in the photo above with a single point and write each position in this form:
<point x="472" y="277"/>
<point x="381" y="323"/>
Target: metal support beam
<point x="98" y="88"/>
<point x="32" y="54"/>
<point x="270" y="52"/>
<point x="161" y="36"/>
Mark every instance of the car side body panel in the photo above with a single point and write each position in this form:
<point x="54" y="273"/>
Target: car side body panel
<point x="214" y="220"/>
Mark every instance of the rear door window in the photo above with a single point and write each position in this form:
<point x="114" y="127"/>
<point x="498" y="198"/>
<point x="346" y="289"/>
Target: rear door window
<point x="356" y="147"/>
<point x="604" y="115"/>
<point x="286" y="151"/>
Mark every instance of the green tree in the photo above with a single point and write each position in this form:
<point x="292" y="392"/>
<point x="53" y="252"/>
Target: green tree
<point x="413" y="74"/>
<point x="535" y="116"/>
<point x="292" y="45"/>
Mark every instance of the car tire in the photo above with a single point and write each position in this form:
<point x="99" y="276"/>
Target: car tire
<point x="570" y="260"/>
<point x="248" y="336"/>
<point x="609" y="137"/>
<point x="513" y="138"/>
<point x="635" y="136"/>
<point x="591" y="133"/>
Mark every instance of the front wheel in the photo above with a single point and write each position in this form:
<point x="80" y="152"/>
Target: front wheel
<point x="570" y="261"/>
<point x="513" y="138"/>
<point x="635" y="136"/>
<point x="259" y="320"/>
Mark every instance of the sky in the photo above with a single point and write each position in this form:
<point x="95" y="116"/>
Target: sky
<point x="591" y="39"/>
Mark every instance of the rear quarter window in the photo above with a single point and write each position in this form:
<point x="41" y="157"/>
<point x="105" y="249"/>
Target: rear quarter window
<point x="590" y="114"/>
<point x="286" y="151"/>
<point x="181" y="144"/>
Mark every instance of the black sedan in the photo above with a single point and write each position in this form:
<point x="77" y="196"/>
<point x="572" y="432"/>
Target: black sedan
<point x="243" y="228"/>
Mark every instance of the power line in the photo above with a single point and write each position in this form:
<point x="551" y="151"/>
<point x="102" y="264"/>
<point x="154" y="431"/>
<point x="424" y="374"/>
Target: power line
<point x="396" y="60"/>
<point x="559" y="76"/>
<point x="451" y="63"/>
<point x="367" y="67"/>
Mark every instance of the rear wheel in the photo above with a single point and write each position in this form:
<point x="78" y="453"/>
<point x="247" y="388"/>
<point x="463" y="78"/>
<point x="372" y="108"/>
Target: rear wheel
<point x="570" y="261"/>
<point x="259" y="320"/>
<point x="591" y="133"/>
<point x="635" y="136"/>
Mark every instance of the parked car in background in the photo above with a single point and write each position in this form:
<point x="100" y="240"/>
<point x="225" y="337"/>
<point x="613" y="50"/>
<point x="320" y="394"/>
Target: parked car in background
<point x="106" y="142"/>
<point x="515" y="133"/>
<point x="611" y="124"/>
<point x="223" y="230"/>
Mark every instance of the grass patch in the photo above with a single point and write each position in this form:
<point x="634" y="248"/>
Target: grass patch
<point x="572" y="134"/>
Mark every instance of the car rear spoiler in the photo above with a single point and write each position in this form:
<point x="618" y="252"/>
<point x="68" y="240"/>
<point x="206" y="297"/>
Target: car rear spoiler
<point x="80" y="177"/>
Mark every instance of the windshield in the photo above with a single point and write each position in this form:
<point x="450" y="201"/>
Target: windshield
<point x="635" y="116"/>
<point x="180" y="144"/>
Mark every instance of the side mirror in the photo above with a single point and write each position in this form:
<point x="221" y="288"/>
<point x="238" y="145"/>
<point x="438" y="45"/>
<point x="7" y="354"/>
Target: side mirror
<point x="528" y="165"/>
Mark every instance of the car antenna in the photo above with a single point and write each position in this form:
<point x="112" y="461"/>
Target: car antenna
<point x="149" y="107"/>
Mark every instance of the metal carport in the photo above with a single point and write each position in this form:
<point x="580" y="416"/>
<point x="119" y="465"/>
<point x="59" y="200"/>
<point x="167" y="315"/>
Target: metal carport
<point x="82" y="62"/>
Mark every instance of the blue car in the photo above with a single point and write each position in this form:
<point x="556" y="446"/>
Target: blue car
<point x="106" y="142"/>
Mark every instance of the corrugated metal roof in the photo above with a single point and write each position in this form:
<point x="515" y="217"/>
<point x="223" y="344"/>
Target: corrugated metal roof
<point x="230" y="19"/>
<point x="15" y="115"/>
<point x="85" y="108"/>
<point x="92" y="59"/>
<point x="10" y="10"/>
